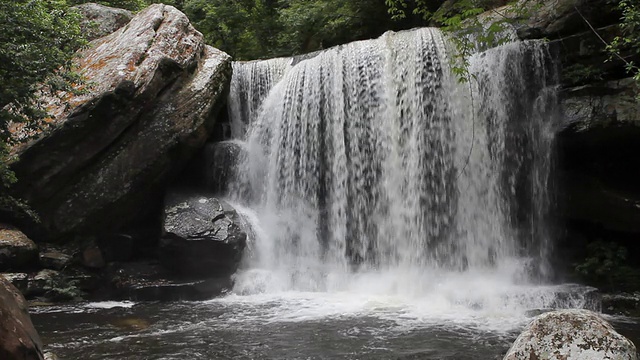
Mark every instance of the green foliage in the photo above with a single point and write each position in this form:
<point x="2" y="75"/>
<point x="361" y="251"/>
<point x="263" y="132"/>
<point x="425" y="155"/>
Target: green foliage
<point x="470" y="33"/>
<point x="630" y="37"/>
<point x="251" y="29"/>
<point x="580" y="74"/>
<point x="245" y="29"/>
<point x="37" y="42"/>
<point x="606" y="266"/>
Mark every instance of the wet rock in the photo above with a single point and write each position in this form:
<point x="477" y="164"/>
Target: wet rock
<point x="203" y="236"/>
<point x="20" y="341"/>
<point x="627" y="304"/>
<point x="601" y="104"/>
<point x="17" y="251"/>
<point x="220" y="163"/>
<point x="153" y="91"/>
<point x="92" y="258"/>
<point x="50" y="356"/>
<point x="51" y="285"/>
<point x="99" y="20"/>
<point x="149" y="281"/>
<point x="55" y="259"/>
<point x="19" y="280"/>
<point x="570" y="334"/>
<point x="117" y="247"/>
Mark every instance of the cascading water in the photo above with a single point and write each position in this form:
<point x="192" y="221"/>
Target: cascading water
<point x="392" y="212"/>
<point x="251" y="83"/>
<point x="370" y="170"/>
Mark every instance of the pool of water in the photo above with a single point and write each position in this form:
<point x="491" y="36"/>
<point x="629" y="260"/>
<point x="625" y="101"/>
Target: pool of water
<point x="291" y="325"/>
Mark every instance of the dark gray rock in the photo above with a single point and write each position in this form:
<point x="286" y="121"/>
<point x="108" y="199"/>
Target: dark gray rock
<point x="55" y="259"/>
<point x="99" y="20"/>
<point x="149" y="281"/>
<point x="19" y="280"/>
<point x="601" y="104"/>
<point x="626" y="304"/>
<point x="202" y="236"/>
<point x="221" y="160"/>
<point x="553" y="19"/>
<point x="50" y="285"/>
<point x="20" y="341"/>
<point x="17" y="251"/>
<point x="117" y="247"/>
<point x="152" y="94"/>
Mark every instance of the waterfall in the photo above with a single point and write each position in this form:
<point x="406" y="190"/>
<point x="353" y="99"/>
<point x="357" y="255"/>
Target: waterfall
<point x="371" y="158"/>
<point x="250" y="84"/>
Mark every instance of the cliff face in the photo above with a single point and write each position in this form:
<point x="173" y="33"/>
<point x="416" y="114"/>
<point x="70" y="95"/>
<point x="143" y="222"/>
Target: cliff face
<point x="598" y="135"/>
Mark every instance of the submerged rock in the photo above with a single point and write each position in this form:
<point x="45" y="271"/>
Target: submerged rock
<point x="152" y="92"/>
<point x="20" y="341"/>
<point x="148" y="281"/>
<point x="570" y="334"/>
<point x="627" y="304"/>
<point x="17" y="251"/>
<point x="202" y="236"/>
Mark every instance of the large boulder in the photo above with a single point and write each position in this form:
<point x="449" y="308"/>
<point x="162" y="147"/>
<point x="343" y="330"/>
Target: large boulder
<point x="20" y="341"/>
<point x="152" y="92"/>
<point x="202" y="236"/>
<point x="570" y="334"/>
<point x="17" y="251"/>
<point x="99" y="20"/>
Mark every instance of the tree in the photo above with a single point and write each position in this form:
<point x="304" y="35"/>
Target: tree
<point x="629" y="39"/>
<point x="37" y="42"/>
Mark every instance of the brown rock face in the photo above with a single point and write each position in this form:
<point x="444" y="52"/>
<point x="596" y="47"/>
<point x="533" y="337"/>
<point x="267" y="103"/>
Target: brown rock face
<point x="20" y="341"/>
<point x="152" y="92"/>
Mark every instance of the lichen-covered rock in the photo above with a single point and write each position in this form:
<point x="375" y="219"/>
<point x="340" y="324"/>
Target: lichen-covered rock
<point x="20" y="341"/>
<point x="202" y="236"/>
<point x="153" y="89"/>
<point x="17" y="251"/>
<point x="99" y="20"/>
<point x="571" y="335"/>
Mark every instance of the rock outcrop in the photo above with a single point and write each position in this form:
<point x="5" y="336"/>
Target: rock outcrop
<point x="17" y="251"/>
<point x="151" y="96"/>
<point x="20" y="341"/>
<point x="203" y="237"/>
<point x="99" y="20"/>
<point x="570" y="334"/>
<point x="610" y="103"/>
